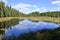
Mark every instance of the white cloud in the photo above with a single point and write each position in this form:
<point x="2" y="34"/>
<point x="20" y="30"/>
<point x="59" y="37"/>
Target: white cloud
<point x="41" y="9"/>
<point x="25" y="8"/>
<point x="5" y="1"/>
<point x="44" y="9"/>
<point x="21" y="5"/>
<point x="35" y="6"/>
<point x="37" y="9"/>
<point x="56" y="9"/>
<point x="57" y="2"/>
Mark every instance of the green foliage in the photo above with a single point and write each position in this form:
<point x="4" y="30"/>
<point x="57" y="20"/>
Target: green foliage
<point x="51" y="14"/>
<point x="8" y="11"/>
<point x="7" y="24"/>
<point x="47" y="14"/>
<point x="2" y="9"/>
<point x="34" y="14"/>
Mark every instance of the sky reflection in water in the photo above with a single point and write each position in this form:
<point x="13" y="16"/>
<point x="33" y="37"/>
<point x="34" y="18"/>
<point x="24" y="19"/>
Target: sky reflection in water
<point x="27" y="26"/>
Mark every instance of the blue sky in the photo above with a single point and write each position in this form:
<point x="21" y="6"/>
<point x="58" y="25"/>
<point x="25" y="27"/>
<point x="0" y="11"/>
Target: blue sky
<point x="27" y="6"/>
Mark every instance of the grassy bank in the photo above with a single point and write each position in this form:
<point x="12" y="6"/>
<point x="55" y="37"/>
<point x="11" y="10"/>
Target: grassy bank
<point x="7" y="18"/>
<point x="46" y="19"/>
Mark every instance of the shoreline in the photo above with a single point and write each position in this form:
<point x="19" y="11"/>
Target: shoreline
<point x="1" y="36"/>
<point x="44" y="19"/>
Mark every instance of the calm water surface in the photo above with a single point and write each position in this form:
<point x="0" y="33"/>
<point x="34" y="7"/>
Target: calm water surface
<point x="26" y="26"/>
<point x="6" y="24"/>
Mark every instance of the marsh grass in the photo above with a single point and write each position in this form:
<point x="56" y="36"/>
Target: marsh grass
<point x="36" y="19"/>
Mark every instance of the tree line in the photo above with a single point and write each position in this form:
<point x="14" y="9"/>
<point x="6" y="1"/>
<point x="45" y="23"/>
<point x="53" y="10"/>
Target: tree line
<point x="8" y="11"/>
<point x="47" y="14"/>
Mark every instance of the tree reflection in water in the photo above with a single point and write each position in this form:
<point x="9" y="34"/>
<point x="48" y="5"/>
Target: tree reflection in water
<point x="27" y="30"/>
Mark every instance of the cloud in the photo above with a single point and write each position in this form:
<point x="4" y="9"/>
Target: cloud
<point x="56" y="9"/>
<point x="35" y="6"/>
<point x="57" y="2"/>
<point x="5" y="1"/>
<point x="44" y="8"/>
<point x="41" y="9"/>
<point x="37" y="9"/>
<point x="21" y="5"/>
<point x="25" y="8"/>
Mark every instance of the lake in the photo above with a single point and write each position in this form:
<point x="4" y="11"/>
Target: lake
<point x="16" y="29"/>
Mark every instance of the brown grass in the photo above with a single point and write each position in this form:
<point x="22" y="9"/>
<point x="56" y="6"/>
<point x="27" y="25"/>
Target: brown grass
<point x="47" y="19"/>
